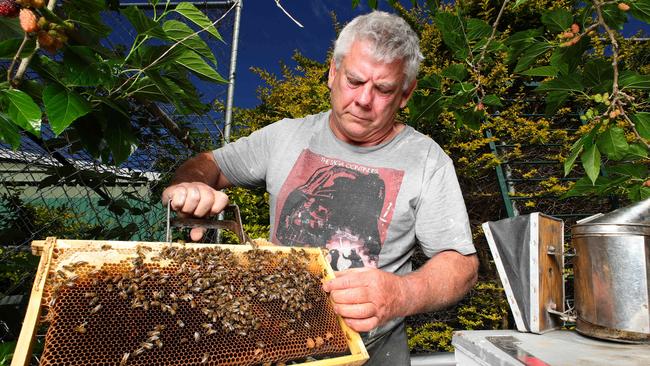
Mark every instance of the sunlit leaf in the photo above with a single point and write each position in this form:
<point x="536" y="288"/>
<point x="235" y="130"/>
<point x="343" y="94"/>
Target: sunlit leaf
<point x="531" y="54"/>
<point x="612" y="142"/>
<point x="598" y="74"/>
<point x="452" y="31"/>
<point x="180" y="32"/>
<point x="477" y="29"/>
<point x="590" y="159"/>
<point x="63" y="107"/>
<point x="193" y="14"/>
<point x="9" y="47"/>
<point x="492" y="100"/>
<point x="640" y="9"/>
<point x="194" y="63"/>
<point x="456" y="72"/>
<point x="142" y="23"/>
<point x="632" y="80"/>
<point x="23" y="111"/>
<point x="614" y="17"/>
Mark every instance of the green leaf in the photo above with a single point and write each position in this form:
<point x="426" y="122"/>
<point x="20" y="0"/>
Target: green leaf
<point x="640" y="9"/>
<point x="372" y="4"/>
<point x="9" y="133"/>
<point x="557" y="20"/>
<point x="477" y="29"/>
<point x="193" y="14"/>
<point x="178" y="31"/>
<point x="598" y="74"/>
<point x="452" y="32"/>
<point x="569" y="83"/>
<point x="639" y="193"/>
<point x="23" y="111"/>
<point x="575" y="151"/>
<point x="455" y="72"/>
<point x="63" y="107"/>
<point x="591" y="162"/>
<point x="642" y="124"/>
<point x="612" y="142"/>
<point x="531" y="54"/>
<point x="469" y="118"/>
<point x="120" y="138"/>
<point x="194" y="63"/>
<point x="431" y="81"/>
<point x="518" y="3"/>
<point x="632" y="80"/>
<point x="541" y="71"/>
<point x="142" y="23"/>
<point x="492" y="100"/>
<point x="613" y="16"/>
<point x="636" y="151"/>
<point x="9" y="47"/>
<point x="82" y="67"/>
<point x="567" y="59"/>
<point x="355" y="3"/>
<point x="582" y="187"/>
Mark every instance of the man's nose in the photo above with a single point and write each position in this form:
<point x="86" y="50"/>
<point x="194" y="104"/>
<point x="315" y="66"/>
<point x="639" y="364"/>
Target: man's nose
<point x="365" y="95"/>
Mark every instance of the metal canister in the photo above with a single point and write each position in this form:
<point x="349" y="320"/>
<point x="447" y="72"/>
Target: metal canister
<point x="612" y="274"/>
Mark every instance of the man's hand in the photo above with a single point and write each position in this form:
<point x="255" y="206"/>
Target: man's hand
<point x="366" y="297"/>
<point x="195" y="199"/>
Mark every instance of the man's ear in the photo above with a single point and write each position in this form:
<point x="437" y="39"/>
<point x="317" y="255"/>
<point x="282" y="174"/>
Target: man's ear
<point x="408" y="93"/>
<point x="332" y="73"/>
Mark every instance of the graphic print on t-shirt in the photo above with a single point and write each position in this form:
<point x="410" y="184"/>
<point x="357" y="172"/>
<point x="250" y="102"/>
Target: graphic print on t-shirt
<point x="342" y="206"/>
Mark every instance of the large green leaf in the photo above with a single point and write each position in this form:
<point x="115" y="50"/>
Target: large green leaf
<point x="576" y="149"/>
<point x="569" y="83"/>
<point x="23" y="111"/>
<point x="567" y="59"/>
<point x="642" y="123"/>
<point x="452" y="32"/>
<point x="640" y="9"/>
<point x="531" y="54"/>
<point x="193" y="14"/>
<point x="637" y="151"/>
<point x="142" y="23"/>
<point x="541" y="71"/>
<point x="632" y="80"/>
<point x="469" y="118"/>
<point x="477" y="29"/>
<point x="639" y="193"/>
<point x="194" y="63"/>
<point x="63" y="107"/>
<point x="9" y="132"/>
<point x="120" y="137"/>
<point x="557" y="20"/>
<point x="180" y="32"/>
<point x="583" y="187"/>
<point x="492" y="100"/>
<point x="598" y="74"/>
<point x="431" y="81"/>
<point x="612" y="142"/>
<point x="456" y="72"/>
<point x="518" y="3"/>
<point x="9" y="47"/>
<point x="590" y="159"/>
<point x="629" y="170"/>
<point x="82" y="67"/>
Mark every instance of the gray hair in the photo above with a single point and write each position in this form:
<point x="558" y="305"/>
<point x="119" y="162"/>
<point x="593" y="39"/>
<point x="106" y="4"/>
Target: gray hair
<point x="391" y="39"/>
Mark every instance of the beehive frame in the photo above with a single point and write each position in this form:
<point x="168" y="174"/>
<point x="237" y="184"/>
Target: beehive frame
<point x="51" y="261"/>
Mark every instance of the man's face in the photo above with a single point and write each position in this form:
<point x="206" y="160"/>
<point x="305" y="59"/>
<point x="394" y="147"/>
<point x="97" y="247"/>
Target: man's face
<point x="365" y="96"/>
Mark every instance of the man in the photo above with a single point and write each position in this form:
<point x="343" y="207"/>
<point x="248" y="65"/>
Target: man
<point x="358" y="182"/>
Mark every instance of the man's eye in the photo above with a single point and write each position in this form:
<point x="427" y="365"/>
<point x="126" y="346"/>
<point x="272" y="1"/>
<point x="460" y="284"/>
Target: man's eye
<point x="354" y="82"/>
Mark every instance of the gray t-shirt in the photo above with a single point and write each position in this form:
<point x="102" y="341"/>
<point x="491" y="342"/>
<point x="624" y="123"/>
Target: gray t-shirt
<point x="367" y="205"/>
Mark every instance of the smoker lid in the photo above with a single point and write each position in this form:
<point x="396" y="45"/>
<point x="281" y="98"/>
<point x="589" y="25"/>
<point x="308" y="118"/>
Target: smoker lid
<point x="631" y="219"/>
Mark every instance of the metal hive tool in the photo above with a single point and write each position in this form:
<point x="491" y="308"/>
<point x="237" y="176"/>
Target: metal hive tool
<point x="127" y="303"/>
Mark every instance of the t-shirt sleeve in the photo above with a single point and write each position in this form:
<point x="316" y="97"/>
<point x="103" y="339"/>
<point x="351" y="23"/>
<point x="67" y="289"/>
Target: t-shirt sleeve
<point x="244" y="162"/>
<point x="441" y="217"/>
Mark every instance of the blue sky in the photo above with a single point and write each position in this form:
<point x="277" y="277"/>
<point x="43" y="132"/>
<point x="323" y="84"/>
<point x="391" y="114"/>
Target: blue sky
<point x="268" y="37"/>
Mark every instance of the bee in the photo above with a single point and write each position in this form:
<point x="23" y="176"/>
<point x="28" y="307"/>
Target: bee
<point x="307" y="325"/>
<point x="258" y="352"/>
<point x="109" y="287"/>
<point x="290" y="332"/>
<point x="79" y="263"/>
<point x="106" y="247"/>
<point x="205" y="357"/>
<point x="210" y="331"/>
<point x="125" y="358"/>
<point x="138" y="352"/>
<point x="93" y="301"/>
<point x="310" y="343"/>
<point x="146" y="345"/>
<point x="96" y="309"/>
<point x="81" y="328"/>
<point x="183" y="340"/>
<point x="180" y="323"/>
<point x="197" y="336"/>
<point x="90" y="294"/>
<point x="158" y="343"/>
<point x="328" y="336"/>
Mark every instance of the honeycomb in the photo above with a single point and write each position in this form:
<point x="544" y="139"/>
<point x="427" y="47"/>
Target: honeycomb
<point x="174" y="305"/>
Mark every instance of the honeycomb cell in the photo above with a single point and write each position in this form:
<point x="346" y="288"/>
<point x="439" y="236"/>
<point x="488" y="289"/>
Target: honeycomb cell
<point x="248" y="308"/>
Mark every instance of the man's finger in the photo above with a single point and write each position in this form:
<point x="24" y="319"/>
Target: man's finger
<point x="357" y="295"/>
<point x="356" y="311"/>
<point x="346" y="279"/>
<point x="196" y="233"/>
<point x="192" y="199"/>
<point x="362" y="325"/>
<point x="220" y="202"/>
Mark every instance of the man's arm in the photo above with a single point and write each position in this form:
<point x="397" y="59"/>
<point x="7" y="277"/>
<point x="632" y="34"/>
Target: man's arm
<point x="194" y="190"/>
<point x="369" y="297"/>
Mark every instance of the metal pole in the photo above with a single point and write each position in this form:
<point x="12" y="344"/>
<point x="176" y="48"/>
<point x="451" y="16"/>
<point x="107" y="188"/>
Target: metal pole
<point x="231" y="76"/>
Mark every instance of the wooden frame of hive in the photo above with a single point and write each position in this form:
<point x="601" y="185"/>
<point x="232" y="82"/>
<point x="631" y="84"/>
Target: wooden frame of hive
<point x="46" y="249"/>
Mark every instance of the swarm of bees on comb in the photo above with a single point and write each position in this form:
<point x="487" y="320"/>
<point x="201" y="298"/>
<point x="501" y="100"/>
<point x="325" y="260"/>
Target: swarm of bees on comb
<point x="181" y="305"/>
